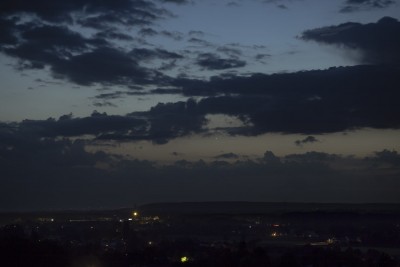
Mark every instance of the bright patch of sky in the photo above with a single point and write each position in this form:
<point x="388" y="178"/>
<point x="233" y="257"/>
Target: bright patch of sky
<point x="359" y="143"/>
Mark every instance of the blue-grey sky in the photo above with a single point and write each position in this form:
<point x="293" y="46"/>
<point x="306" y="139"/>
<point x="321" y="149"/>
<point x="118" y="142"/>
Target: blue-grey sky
<point x="268" y="29"/>
<point x="138" y="85"/>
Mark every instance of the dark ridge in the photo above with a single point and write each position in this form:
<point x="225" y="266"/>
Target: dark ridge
<point x="267" y="208"/>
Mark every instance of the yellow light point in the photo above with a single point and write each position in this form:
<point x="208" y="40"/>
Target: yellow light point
<point x="135" y="214"/>
<point x="184" y="259"/>
<point x="274" y="234"/>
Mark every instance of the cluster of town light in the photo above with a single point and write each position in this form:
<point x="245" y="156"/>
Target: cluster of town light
<point x="135" y="214"/>
<point x="184" y="259"/>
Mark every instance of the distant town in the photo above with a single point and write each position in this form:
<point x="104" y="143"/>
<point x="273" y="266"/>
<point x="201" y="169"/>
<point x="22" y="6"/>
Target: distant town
<point x="205" y="234"/>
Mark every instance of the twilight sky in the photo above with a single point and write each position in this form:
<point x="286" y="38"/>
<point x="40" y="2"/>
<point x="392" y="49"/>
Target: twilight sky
<point x="112" y="103"/>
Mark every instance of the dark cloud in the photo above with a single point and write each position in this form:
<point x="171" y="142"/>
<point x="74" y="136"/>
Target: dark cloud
<point x="148" y="54"/>
<point x="214" y="62"/>
<point x="308" y="139"/>
<point x="168" y="65"/>
<point x="97" y="124"/>
<point x="378" y="42"/>
<point x="357" y="5"/>
<point x="104" y="104"/>
<point x="40" y="35"/>
<point x="227" y="156"/>
<point x="79" y="59"/>
<point x="51" y="37"/>
<point x="261" y="57"/>
<point x="173" y="120"/>
<point x="112" y="95"/>
<point x="159" y="125"/>
<point x="199" y="41"/>
<point x="270" y="158"/>
<point x="230" y="51"/>
<point x="130" y="17"/>
<point x="177" y="36"/>
<point x="391" y="157"/>
<point x="148" y="32"/>
<point x="282" y="6"/>
<point x="6" y="32"/>
<point x="179" y="2"/>
<point x="107" y="11"/>
<point x="103" y="21"/>
<point x="48" y="45"/>
<point x="94" y="67"/>
<point x="106" y="97"/>
<point x="233" y="4"/>
<point x="84" y="60"/>
<point x="309" y="102"/>
<point x="113" y="35"/>
<point x="163" y="91"/>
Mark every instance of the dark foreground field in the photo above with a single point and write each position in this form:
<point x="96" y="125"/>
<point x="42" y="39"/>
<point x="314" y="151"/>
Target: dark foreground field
<point x="205" y="234"/>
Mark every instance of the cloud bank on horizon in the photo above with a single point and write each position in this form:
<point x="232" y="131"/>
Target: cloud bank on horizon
<point x="60" y="174"/>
